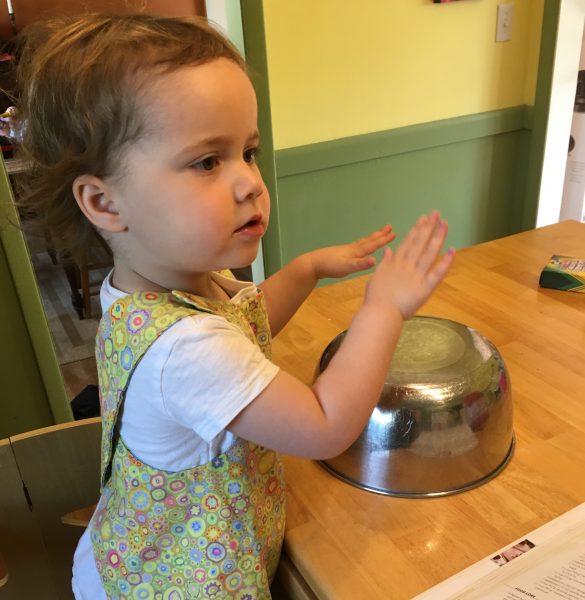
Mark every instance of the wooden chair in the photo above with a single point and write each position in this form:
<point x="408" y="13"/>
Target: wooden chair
<point x="50" y="481"/>
<point x="95" y="256"/>
<point x="3" y="571"/>
<point x="45" y="474"/>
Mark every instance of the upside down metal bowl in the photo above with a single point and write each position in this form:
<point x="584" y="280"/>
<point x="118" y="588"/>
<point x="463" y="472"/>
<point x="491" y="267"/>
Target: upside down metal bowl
<point x="443" y="423"/>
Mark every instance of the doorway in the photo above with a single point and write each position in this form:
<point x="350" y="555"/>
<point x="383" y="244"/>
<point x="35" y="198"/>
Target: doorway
<point x="67" y="289"/>
<point x="567" y="52"/>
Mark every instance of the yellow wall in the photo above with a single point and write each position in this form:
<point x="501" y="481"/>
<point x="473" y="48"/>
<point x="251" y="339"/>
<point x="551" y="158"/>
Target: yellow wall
<point x="340" y="67"/>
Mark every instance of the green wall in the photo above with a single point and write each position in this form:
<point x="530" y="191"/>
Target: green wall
<point x="467" y="167"/>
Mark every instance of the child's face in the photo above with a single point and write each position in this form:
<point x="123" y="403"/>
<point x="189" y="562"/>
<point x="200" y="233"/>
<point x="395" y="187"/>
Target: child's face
<point x="191" y="193"/>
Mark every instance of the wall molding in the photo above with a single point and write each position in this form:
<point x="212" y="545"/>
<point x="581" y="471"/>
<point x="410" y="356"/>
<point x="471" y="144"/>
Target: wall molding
<point x="370" y="146"/>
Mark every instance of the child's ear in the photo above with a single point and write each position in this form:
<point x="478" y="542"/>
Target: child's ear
<point x="94" y="197"/>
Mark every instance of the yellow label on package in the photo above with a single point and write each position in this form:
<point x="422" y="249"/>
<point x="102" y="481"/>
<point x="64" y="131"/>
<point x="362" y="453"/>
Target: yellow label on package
<point x="564" y="273"/>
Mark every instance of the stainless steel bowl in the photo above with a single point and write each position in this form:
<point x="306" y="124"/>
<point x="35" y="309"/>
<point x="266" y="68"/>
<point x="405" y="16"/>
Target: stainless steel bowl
<point x="443" y="423"/>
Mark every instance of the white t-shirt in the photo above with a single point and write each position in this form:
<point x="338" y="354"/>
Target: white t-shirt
<point x="190" y="384"/>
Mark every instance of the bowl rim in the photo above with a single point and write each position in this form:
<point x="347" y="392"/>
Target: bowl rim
<point x="433" y="494"/>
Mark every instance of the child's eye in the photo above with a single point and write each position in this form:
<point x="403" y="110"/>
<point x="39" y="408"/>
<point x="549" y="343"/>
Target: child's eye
<point x="206" y="164"/>
<point x="251" y="155"/>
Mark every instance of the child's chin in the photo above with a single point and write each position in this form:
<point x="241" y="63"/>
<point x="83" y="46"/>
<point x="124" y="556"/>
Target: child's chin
<point x="245" y="261"/>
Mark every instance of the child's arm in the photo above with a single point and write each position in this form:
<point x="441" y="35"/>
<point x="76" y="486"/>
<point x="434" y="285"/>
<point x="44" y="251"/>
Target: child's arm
<point x="287" y="289"/>
<point x="323" y="420"/>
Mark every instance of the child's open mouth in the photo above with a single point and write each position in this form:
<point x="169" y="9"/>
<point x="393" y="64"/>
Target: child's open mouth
<point x="253" y="228"/>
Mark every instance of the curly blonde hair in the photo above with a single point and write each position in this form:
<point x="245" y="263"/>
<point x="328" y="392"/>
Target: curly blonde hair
<point x="78" y="82"/>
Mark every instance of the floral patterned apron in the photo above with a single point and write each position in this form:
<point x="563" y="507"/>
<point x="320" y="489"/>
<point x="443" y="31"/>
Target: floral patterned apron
<point x="213" y="531"/>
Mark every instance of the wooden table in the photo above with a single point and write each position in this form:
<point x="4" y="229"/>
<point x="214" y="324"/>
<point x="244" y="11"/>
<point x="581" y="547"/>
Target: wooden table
<point x="342" y="542"/>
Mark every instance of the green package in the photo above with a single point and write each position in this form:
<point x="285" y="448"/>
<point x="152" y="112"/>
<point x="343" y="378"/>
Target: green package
<point x="564" y="273"/>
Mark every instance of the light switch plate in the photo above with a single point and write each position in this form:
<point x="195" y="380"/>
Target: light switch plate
<point x="504" y="22"/>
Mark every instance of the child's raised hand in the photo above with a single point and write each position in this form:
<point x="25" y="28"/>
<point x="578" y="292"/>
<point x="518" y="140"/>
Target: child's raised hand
<point x="406" y="278"/>
<point x="338" y="261"/>
<point x="322" y="421"/>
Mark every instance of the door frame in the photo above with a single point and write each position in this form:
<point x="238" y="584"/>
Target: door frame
<point x="229" y="16"/>
<point x="567" y="53"/>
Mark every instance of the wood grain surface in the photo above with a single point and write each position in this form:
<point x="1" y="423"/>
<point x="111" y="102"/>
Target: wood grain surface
<point x="351" y="544"/>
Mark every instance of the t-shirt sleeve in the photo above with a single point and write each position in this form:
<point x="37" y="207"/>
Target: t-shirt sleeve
<point x="211" y="374"/>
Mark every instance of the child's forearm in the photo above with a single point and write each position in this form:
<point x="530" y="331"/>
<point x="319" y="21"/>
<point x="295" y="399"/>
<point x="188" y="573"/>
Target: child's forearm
<point x="287" y="289"/>
<point x="321" y="421"/>
<point x="350" y="387"/>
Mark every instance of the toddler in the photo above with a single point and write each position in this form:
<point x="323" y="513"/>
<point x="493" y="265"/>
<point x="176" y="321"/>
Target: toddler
<point x="145" y="129"/>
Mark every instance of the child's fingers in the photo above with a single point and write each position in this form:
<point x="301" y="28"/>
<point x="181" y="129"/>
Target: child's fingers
<point x="438" y="271"/>
<point x="409" y="239"/>
<point x="380" y="236"/>
<point x="375" y="240"/>
<point x="417" y="238"/>
<point x="361" y="264"/>
<point x="429" y="252"/>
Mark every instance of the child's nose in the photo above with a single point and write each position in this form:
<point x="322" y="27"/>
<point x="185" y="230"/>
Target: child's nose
<point x="248" y="185"/>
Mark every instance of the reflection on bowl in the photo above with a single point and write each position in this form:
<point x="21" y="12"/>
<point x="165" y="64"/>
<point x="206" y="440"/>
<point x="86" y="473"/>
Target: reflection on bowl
<point x="443" y="423"/>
